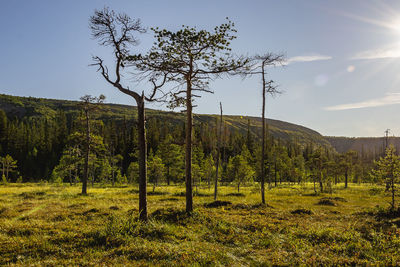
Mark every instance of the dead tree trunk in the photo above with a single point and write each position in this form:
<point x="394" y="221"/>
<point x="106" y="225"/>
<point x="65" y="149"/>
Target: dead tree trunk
<point x="263" y="140"/>
<point x="218" y="155"/>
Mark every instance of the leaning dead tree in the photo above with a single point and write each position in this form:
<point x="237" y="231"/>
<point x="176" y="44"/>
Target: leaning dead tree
<point x="118" y="32"/>
<point x="261" y="63"/>
<point x="192" y="58"/>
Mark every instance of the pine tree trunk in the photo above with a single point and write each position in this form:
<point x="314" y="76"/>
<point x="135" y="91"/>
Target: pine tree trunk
<point x="345" y="178"/>
<point x="188" y="154"/>
<point x="142" y="160"/>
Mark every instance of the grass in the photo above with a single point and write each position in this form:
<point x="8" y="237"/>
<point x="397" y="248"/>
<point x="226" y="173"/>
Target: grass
<point x="54" y="225"/>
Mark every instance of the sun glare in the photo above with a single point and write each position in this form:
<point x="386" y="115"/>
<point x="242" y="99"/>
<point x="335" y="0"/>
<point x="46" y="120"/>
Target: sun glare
<point x="395" y="25"/>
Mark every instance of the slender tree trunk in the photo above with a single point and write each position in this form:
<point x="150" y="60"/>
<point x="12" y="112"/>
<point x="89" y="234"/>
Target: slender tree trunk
<point x="70" y="177"/>
<point x="276" y="182"/>
<point x="87" y="151"/>
<point x="188" y="154"/>
<point x="315" y="190"/>
<point x="345" y="178"/>
<point x="263" y="141"/>
<point x="218" y="155"/>
<point x="269" y="175"/>
<point x="112" y="164"/>
<point x="142" y="160"/>
<point x="393" y="193"/>
<point x="167" y="175"/>
<point x="7" y="172"/>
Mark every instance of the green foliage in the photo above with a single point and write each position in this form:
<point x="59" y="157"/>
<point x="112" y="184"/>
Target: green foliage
<point x="239" y="170"/>
<point x="133" y="172"/>
<point x="156" y="170"/>
<point x="388" y="170"/>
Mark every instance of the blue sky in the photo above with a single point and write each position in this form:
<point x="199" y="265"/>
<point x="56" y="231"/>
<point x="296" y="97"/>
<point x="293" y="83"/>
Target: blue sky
<point x="342" y="76"/>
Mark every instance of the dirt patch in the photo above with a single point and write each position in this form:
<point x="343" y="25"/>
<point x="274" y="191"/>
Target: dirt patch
<point x="217" y="203"/>
<point x="340" y="199"/>
<point x="302" y="212"/>
<point x="326" y="202"/>
<point x="94" y="210"/>
<point x="114" y="208"/>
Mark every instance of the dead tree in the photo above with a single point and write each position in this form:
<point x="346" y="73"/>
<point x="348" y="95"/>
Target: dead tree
<point x="117" y="31"/>
<point x="268" y="87"/>
<point x="218" y="154"/>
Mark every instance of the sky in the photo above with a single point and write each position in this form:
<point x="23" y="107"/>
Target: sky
<point x="341" y="77"/>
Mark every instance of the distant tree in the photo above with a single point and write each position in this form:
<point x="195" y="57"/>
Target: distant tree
<point x="240" y="170"/>
<point x="114" y="161"/>
<point x="8" y="165"/>
<point x="117" y="31"/>
<point x="388" y="170"/>
<point x="219" y="133"/>
<point x="68" y="164"/>
<point x="346" y="164"/>
<point x="192" y="58"/>
<point x="133" y="172"/>
<point x="156" y="170"/>
<point x="171" y="155"/>
<point x="88" y="104"/>
<point x="316" y="164"/>
<point x="209" y="169"/>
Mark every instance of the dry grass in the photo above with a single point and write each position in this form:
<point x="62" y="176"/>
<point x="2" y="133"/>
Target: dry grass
<point x="54" y="225"/>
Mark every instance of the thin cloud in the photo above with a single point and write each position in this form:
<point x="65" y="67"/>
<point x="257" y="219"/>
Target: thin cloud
<point x="388" y="99"/>
<point x="307" y="58"/>
<point x="386" y="52"/>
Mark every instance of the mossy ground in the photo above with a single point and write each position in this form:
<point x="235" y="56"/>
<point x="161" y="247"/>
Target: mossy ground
<point x="54" y="225"/>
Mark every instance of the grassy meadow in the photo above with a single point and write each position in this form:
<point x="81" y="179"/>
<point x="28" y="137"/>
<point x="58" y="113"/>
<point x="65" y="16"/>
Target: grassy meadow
<point x="43" y="224"/>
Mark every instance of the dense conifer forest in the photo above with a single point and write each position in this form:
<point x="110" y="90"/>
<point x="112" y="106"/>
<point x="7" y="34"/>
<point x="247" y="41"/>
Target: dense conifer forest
<point x="45" y="133"/>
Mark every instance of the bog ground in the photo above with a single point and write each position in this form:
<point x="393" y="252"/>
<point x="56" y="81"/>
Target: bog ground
<point x="53" y="225"/>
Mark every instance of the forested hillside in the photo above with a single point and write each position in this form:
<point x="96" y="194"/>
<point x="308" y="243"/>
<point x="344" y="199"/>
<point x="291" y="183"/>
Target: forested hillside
<point x="30" y="107"/>
<point x="38" y="133"/>
<point x="363" y="145"/>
